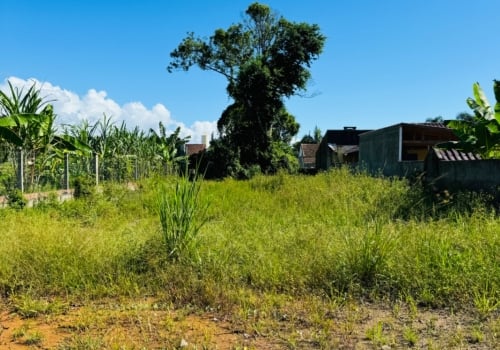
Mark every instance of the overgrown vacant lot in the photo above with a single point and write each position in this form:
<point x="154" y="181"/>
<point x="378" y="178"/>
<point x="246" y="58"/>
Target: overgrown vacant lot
<point x="337" y="260"/>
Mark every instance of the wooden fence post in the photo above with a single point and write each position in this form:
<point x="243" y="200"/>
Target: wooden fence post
<point x="20" y="169"/>
<point x="96" y="168"/>
<point x="136" y="169"/>
<point x="66" y="172"/>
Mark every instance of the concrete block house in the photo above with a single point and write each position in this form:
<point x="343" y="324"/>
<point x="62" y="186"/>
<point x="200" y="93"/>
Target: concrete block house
<point x="400" y="149"/>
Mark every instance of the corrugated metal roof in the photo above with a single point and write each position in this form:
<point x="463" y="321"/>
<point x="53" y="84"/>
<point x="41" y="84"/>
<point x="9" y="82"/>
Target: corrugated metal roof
<point x="431" y="124"/>
<point x="453" y="155"/>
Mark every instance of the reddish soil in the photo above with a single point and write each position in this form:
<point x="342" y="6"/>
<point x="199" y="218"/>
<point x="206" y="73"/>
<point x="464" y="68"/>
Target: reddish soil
<point x="141" y="324"/>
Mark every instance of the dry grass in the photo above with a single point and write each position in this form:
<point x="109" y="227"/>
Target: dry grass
<point x="305" y="323"/>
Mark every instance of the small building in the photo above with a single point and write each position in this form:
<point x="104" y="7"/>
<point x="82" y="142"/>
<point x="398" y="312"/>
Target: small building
<point x="307" y="156"/>
<point x="400" y="149"/>
<point x="339" y="147"/>
<point x="194" y="148"/>
<point x="194" y="152"/>
<point x="453" y="169"/>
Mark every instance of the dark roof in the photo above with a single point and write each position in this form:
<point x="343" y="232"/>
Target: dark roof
<point x="425" y="126"/>
<point x="346" y="136"/>
<point x="452" y="155"/>
<point x="194" y="148"/>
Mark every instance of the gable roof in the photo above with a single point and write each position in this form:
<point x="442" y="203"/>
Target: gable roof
<point x="308" y="150"/>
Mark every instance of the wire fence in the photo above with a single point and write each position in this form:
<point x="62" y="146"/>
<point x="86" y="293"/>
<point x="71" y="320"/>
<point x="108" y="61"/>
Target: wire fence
<point x="20" y="170"/>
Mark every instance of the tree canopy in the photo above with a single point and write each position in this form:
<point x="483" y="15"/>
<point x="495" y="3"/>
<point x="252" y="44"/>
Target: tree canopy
<point x="265" y="59"/>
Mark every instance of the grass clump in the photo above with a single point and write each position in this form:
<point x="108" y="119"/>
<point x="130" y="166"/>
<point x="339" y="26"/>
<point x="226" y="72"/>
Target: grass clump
<point x="182" y="213"/>
<point x="367" y="254"/>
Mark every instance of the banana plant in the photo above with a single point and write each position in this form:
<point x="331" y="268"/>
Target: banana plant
<point x="481" y="133"/>
<point x="169" y="148"/>
<point x="6" y="133"/>
<point x="27" y="121"/>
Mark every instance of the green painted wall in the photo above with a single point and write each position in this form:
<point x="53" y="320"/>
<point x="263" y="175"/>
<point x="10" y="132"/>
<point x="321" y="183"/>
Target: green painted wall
<point x="379" y="151"/>
<point x="472" y="175"/>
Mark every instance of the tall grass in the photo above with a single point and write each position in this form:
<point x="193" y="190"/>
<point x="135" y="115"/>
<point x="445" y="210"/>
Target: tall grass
<point x="76" y="247"/>
<point x="335" y="234"/>
<point x="182" y="213"/>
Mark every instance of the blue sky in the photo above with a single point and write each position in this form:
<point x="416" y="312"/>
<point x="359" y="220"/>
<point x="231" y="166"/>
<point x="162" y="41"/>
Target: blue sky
<point x="384" y="62"/>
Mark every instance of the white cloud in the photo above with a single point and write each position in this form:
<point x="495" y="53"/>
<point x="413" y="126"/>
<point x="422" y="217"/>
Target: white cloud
<point x="198" y="129"/>
<point x="73" y="109"/>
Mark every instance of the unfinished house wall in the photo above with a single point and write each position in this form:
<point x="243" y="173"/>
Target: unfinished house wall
<point x="400" y="150"/>
<point x="379" y="151"/>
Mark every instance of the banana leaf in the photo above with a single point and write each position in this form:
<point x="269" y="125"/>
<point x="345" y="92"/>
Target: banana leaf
<point x="71" y="144"/>
<point x="10" y="136"/>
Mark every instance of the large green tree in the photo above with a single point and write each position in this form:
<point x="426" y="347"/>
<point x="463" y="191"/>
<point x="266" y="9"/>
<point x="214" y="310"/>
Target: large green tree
<point x="265" y="59"/>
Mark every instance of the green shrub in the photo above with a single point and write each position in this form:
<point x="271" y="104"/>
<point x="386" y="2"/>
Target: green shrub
<point x="15" y="199"/>
<point x="84" y="187"/>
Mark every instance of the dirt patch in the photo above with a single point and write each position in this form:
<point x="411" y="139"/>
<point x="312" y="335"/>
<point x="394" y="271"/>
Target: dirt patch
<point x="146" y="324"/>
<point x="17" y="333"/>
